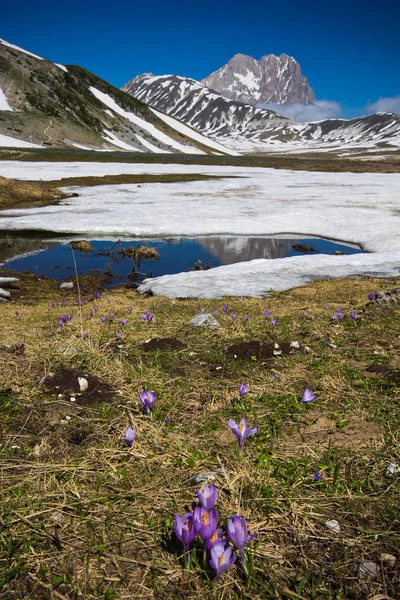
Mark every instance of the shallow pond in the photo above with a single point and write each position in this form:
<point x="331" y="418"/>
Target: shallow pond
<point x="53" y="257"/>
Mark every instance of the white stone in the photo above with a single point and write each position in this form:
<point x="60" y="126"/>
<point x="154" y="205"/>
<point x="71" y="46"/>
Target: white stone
<point x="333" y="525"/>
<point x="67" y="285"/>
<point x="206" y="321"/>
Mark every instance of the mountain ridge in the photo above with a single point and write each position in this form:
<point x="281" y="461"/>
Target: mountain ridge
<point x="272" y="79"/>
<point x="246" y="128"/>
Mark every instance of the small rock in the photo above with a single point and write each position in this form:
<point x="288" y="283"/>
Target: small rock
<point x="393" y="469"/>
<point x="276" y="346"/>
<point x="72" y="399"/>
<point x="294" y="345"/>
<point x="306" y="315"/>
<point x="206" y="321"/>
<point x="338" y="253"/>
<point x="67" y="285"/>
<point x="3" y="300"/>
<point x="389" y="559"/>
<point x="333" y="525"/>
<point x="366" y="569"/>
<point x="7" y="282"/>
<point x="66" y="349"/>
<point x="83" y="384"/>
<point x="4" y="293"/>
<point x="206" y="476"/>
<point x="277" y="352"/>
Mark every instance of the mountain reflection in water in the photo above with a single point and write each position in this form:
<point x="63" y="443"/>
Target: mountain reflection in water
<point x="176" y="254"/>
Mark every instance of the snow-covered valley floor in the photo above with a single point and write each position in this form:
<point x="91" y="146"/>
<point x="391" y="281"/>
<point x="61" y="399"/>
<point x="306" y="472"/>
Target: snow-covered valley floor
<point x="363" y="208"/>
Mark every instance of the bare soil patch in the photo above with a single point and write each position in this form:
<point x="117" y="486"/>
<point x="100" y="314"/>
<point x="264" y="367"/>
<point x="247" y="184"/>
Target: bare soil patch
<point x="387" y="371"/>
<point x="65" y="382"/>
<point x="167" y="343"/>
<point x="317" y="430"/>
<point x="258" y="349"/>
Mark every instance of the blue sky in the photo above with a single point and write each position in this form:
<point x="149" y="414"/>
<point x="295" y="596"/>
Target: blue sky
<point x="349" y="50"/>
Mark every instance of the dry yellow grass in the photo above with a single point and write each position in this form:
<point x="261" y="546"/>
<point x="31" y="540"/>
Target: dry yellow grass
<point x="85" y="517"/>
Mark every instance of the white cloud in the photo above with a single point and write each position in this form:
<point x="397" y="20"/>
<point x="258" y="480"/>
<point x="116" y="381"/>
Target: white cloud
<point x="321" y="109"/>
<point x="385" y="105"/>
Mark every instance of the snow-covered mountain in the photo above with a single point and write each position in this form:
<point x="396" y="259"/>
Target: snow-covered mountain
<point x="201" y="108"/>
<point x="245" y="128"/>
<point x="276" y="79"/>
<point x="43" y="104"/>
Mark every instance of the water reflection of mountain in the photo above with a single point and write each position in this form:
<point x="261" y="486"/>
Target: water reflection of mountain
<point x="231" y="249"/>
<point x="12" y="247"/>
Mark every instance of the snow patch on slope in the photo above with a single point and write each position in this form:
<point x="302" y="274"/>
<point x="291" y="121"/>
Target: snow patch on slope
<point x="179" y="126"/>
<point x="19" y="49"/>
<point x="113" y="139"/>
<point x="4" y="102"/>
<point x="10" y="142"/>
<point x="149" y="127"/>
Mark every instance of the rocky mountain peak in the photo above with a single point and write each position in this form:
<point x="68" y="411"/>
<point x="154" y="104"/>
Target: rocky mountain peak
<point x="272" y="79"/>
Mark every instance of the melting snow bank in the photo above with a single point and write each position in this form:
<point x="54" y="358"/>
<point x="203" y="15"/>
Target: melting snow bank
<point x="9" y="142"/>
<point x="259" y="277"/>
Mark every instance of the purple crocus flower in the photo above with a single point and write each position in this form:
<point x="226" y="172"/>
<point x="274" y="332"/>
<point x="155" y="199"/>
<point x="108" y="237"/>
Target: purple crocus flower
<point x="317" y="476"/>
<point x="96" y="296"/>
<point x="246" y="318"/>
<point x="241" y="431"/>
<point x="308" y="396"/>
<point x="327" y="307"/>
<point x="267" y="313"/>
<point x="243" y="389"/>
<point x="216" y="537"/>
<point x="353" y="315"/>
<point x="129" y="436"/>
<point x="214" y="311"/>
<point x="225" y="308"/>
<point x="91" y="315"/>
<point x="238" y="533"/>
<point x="205" y="521"/>
<point x="85" y="336"/>
<point x="118" y="336"/>
<point x="273" y="322"/>
<point x="147" y="317"/>
<point x="112" y="315"/>
<point x="123" y="322"/>
<point x="207" y="496"/>
<point x="202" y="310"/>
<point x="184" y="531"/>
<point x="103" y="319"/>
<point x="221" y="558"/>
<point x="372" y="296"/>
<point x="16" y="313"/>
<point x="129" y="309"/>
<point x="275" y="376"/>
<point x="53" y="304"/>
<point x="148" y="400"/>
<point x="233" y="316"/>
<point x="95" y="308"/>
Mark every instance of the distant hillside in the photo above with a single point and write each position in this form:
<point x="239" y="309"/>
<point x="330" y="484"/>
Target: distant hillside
<point x="246" y="128"/>
<point x="45" y="104"/>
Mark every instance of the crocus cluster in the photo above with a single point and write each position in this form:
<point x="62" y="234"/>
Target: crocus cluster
<point x="203" y="521"/>
<point x="147" y="317"/>
<point x="338" y="316"/>
<point x="63" y="319"/>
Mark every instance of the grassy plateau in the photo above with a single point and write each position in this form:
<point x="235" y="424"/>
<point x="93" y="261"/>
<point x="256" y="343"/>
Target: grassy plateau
<point x="84" y="516"/>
